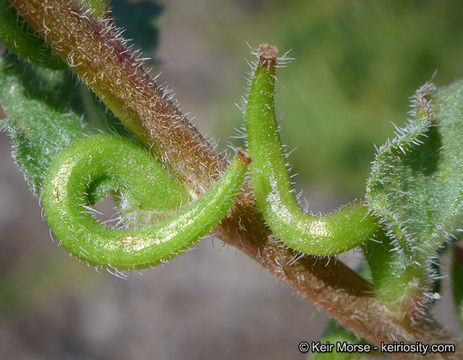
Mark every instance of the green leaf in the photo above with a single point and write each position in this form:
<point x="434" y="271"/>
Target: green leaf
<point x="145" y="183"/>
<point x="44" y="114"/>
<point x="19" y="37"/>
<point x="98" y="7"/>
<point x="139" y="21"/>
<point x="323" y="235"/>
<point x="416" y="189"/>
<point x="48" y="111"/>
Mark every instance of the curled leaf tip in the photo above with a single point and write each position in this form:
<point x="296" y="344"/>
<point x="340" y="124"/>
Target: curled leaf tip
<point x="87" y="170"/>
<point x="267" y="54"/>
<point x="313" y="235"/>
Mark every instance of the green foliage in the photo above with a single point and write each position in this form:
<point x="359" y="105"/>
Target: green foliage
<point x="417" y="191"/>
<point x="47" y="109"/>
<point x="49" y="123"/>
<point x="356" y="64"/>
<point x="19" y="37"/>
<point x="43" y="128"/>
<point x="139" y="20"/>
<point x="415" y="188"/>
<point x="44" y="114"/>
<point x="98" y="7"/>
<point x="86" y="171"/>
<point x="315" y="235"/>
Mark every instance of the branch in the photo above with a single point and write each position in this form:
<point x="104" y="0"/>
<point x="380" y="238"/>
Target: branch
<point x="100" y="58"/>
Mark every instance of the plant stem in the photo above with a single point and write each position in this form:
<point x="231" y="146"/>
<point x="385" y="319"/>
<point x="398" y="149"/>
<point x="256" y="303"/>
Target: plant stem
<point x="101" y="59"/>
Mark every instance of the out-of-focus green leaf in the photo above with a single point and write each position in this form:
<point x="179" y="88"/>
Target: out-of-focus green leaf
<point x="44" y="114"/>
<point x="19" y="37"/>
<point x="139" y="19"/>
<point x="356" y="63"/>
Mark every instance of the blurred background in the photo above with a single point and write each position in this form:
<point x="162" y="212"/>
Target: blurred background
<point x="356" y="63"/>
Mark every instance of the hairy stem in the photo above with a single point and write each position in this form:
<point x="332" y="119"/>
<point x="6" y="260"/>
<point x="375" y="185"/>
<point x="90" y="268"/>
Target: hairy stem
<point x="100" y="58"/>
